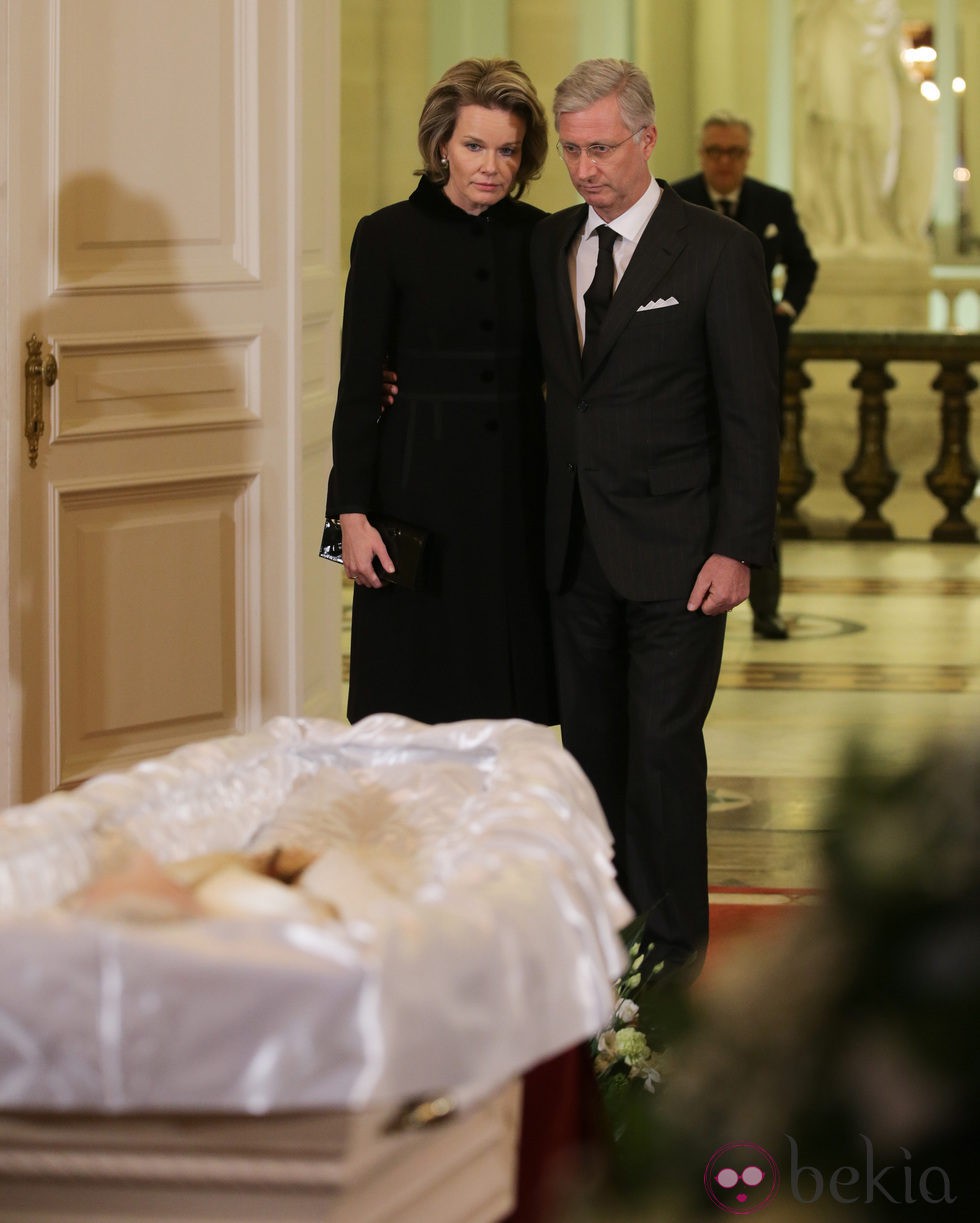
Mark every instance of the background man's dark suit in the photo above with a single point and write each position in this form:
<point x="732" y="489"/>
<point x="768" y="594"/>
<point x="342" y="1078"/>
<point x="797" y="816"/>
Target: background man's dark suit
<point x="667" y="443"/>
<point x="769" y="213"/>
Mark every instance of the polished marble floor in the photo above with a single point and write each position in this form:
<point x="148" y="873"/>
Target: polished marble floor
<point x="884" y="649"/>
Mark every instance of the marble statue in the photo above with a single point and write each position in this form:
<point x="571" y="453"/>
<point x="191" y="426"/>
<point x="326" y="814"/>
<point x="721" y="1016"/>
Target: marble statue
<point x="866" y="152"/>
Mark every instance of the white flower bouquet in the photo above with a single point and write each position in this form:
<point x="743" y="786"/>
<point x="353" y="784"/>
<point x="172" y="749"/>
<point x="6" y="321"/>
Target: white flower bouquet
<point x="626" y="1053"/>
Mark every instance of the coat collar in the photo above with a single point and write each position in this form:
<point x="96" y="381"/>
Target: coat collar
<point x="430" y="198"/>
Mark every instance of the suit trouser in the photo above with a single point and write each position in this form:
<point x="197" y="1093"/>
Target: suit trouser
<point x="635" y="683"/>
<point x="765" y="587"/>
<point x="767" y="584"/>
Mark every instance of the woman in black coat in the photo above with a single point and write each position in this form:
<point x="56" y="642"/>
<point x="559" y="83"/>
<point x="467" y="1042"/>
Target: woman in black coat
<point x="440" y="292"/>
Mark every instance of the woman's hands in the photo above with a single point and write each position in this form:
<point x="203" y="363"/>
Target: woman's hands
<point x="362" y="544"/>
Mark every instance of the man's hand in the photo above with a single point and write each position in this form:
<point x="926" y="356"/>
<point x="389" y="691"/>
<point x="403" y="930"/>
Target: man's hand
<point x="722" y="584"/>
<point x="389" y="388"/>
<point x="361" y="544"/>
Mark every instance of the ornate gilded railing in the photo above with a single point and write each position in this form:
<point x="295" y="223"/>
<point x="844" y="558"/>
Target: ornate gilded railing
<point x="870" y="478"/>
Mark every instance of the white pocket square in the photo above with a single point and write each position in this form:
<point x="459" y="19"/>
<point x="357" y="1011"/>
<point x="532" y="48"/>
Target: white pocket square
<point x="772" y="230"/>
<point x="659" y="304"/>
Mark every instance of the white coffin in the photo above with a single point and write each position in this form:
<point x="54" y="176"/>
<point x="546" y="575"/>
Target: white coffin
<point x="257" y="1068"/>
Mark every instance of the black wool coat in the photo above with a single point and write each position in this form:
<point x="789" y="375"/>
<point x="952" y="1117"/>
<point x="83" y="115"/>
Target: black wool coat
<point x="445" y="299"/>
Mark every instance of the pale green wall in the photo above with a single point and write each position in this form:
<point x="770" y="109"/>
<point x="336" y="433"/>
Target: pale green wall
<point x="704" y="55"/>
<point x="699" y="54"/>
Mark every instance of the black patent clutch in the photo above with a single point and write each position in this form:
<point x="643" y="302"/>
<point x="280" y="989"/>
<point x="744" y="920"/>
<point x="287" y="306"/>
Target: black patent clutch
<point x="406" y="546"/>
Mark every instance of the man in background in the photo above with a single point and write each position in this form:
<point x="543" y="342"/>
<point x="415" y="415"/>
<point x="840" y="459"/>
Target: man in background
<point x="726" y="146"/>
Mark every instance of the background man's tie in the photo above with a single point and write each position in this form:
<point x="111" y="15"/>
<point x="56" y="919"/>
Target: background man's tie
<point x="599" y="293"/>
<point x="726" y="207"/>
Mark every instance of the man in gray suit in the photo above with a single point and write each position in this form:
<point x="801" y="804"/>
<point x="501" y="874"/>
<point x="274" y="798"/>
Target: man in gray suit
<point x="655" y="321"/>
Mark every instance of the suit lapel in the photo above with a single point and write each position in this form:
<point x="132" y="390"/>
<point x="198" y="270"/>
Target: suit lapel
<point x="661" y="243"/>
<point x="748" y="207"/>
<point x="564" y="302"/>
<point x="699" y="194"/>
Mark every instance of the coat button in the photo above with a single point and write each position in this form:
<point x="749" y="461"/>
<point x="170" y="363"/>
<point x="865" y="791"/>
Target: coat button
<point x="487" y="376"/>
<point x="491" y="426"/>
<point x="487" y="324"/>
<point x="571" y="467"/>
<point x="482" y="274"/>
<point x="583" y="406"/>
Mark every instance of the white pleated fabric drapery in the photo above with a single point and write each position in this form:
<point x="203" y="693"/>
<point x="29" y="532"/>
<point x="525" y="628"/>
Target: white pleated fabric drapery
<point x="469" y="868"/>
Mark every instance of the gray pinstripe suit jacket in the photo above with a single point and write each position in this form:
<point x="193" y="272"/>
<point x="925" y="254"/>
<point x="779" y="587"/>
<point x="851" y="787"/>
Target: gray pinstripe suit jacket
<point x="672" y="431"/>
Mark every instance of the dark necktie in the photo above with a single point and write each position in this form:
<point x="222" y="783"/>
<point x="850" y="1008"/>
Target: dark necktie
<point x="599" y="293"/>
<point x="727" y="208"/>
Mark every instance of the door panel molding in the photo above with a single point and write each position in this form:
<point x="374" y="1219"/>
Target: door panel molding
<point x="177" y="295"/>
<point x="137" y="677"/>
<point x="173" y="201"/>
<point x="122" y="385"/>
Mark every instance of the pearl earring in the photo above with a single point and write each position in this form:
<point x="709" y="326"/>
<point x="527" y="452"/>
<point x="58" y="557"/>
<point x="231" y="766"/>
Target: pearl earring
<point x="443" y="161"/>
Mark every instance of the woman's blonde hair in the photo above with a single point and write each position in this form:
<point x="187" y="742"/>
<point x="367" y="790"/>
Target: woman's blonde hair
<point x="498" y="84"/>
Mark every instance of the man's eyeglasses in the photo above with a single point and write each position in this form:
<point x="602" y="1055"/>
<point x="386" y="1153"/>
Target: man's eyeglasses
<point x="716" y="152"/>
<point x="594" y="152"/>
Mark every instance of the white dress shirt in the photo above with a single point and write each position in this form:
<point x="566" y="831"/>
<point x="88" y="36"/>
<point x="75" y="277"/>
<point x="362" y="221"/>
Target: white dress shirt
<point x="732" y="200"/>
<point x="585" y="252"/>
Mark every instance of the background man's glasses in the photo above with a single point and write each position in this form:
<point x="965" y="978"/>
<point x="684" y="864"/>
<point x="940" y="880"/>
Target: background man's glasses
<point x="716" y="153"/>
<point x="594" y="152"/>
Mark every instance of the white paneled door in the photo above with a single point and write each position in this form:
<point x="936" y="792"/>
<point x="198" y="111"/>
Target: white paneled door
<point x="153" y="207"/>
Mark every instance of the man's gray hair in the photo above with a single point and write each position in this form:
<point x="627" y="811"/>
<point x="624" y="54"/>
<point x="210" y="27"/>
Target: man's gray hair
<point x="725" y="118"/>
<point x="595" y="79"/>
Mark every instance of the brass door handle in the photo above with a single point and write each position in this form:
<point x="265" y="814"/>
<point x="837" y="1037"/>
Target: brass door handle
<point x="38" y="372"/>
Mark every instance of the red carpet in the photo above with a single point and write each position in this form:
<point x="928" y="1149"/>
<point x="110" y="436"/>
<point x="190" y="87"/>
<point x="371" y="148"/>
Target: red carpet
<point x="739" y="913"/>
